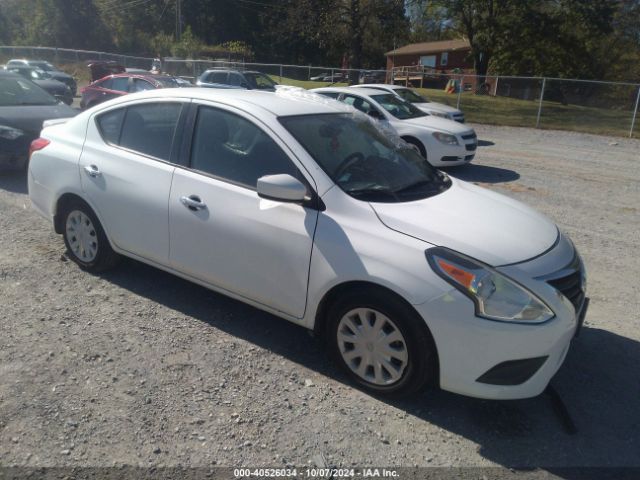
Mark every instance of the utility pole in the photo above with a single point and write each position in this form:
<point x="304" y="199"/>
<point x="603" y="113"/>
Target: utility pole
<point x="178" y="20"/>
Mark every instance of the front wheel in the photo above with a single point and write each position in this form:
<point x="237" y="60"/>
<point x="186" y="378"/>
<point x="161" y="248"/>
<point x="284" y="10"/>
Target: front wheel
<point x="381" y="343"/>
<point x="85" y="239"/>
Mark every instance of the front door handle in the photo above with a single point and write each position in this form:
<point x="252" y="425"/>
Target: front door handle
<point x="92" y="171"/>
<point x="193" y="202"/>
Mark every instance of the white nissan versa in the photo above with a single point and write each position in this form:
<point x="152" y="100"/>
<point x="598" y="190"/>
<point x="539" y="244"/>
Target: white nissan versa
<point x="304" y="208"/>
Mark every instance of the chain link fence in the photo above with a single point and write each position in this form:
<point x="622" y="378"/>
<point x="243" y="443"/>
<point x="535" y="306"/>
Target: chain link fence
<point x="581" y="105"/>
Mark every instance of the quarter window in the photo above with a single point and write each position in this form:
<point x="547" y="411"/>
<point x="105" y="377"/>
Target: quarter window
<point x="232" y="148"/>
<point x="149" y="129"/>
<point x="109" y="125"/>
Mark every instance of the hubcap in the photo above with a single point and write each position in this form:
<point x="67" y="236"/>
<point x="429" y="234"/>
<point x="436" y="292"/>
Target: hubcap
<point x="372" y="346"/>
<point x="82" y="236"/>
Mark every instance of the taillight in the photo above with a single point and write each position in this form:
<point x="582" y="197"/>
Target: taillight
<point x="38" y="144"/>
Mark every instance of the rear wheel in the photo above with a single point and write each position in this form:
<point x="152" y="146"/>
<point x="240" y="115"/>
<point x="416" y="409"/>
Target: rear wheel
<point x="381" y="343"/>
<point x="85" y="239"/>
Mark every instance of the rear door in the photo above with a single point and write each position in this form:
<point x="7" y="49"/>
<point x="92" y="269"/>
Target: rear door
<point x="126" y="170"/>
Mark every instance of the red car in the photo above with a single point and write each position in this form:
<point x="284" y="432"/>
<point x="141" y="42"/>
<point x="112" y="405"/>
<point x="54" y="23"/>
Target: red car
<point x="113" y="86"/>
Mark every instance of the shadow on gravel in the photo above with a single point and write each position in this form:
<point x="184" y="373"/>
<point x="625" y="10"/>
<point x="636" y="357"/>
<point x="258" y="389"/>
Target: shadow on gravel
<point x="15" y="182"/>
<point x="599" y="383"/>
<point x="482" y="173"/>
<point x="485" y="143"/>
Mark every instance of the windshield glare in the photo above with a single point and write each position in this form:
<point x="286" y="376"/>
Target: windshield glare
<point x="411" y="96"/>
<point x="362" y="160"/>
<point x="397" y="107"/>
<point x="14" y="91"/>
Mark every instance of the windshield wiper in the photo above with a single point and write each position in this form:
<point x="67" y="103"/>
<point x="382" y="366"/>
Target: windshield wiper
<point x="367" y="192"/>
<point x="417" y="184"/>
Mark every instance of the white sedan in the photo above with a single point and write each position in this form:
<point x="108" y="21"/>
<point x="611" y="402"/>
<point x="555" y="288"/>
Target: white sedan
<point x="444" y="143"/>
<point x="423" y="103"/>
<point x="305" y="209"/>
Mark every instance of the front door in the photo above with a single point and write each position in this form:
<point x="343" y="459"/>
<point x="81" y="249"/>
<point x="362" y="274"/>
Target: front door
<point x="224" y="234"/>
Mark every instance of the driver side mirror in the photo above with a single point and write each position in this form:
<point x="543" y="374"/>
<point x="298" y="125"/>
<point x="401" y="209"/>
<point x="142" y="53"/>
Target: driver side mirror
<point x="281" y="188"/>
<point x="375" y="114"/>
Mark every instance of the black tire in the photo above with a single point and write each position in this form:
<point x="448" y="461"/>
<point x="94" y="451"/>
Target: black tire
<point x="418" y="145"/>
<point x="104" y="258"/>
<point x="422" y="365"/>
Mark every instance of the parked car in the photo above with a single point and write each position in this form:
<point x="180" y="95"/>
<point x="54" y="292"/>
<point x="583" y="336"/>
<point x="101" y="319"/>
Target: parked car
<point x="420" y="101"/>
<point x="335" y="78"/>
<point x="113" y="86"/>
<point x="41" y="78"/>
<point x="24" y="106"/>
<point x="248" y="80"/>
<point x="373" y="76"/>
<point x="56" y="74"/>
<point x="415" y="277"/>
<point x="320" y="77"/>
<point x="442" y="142"/>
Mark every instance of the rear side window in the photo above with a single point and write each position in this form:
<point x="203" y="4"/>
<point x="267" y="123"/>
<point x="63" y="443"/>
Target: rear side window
<point x="105" y="83"/>
<point x="149" y="129"/>
<point x="109" y="125"/>
<point x="120" y="84"/>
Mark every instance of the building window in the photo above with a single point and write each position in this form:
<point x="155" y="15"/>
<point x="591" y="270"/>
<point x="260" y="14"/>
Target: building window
<point x="444" y="58"/>
<point x="428" y="61"/>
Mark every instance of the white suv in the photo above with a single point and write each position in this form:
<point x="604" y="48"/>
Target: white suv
<point x="305" y="209"/>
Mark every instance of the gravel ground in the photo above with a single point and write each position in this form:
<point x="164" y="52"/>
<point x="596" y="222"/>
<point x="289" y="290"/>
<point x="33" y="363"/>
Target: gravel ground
<point x="137" y="367"/>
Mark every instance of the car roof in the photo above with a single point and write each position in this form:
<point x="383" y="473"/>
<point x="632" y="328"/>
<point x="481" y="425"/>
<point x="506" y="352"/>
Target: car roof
<point x="386" y="86"/>
<point x="361" y="91"/>
<point x="285" y="102"/>
<point x="229" y="70"/>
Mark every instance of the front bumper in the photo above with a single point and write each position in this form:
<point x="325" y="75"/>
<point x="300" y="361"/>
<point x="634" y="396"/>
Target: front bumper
<point x="497" y="360"/>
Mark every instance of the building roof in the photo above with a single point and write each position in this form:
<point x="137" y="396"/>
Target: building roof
<point x="431" y="47"/>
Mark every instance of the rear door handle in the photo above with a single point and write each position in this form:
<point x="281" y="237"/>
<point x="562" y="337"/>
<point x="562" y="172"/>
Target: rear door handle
<point x="92" y="171"/>
<point x="193" y="202"/>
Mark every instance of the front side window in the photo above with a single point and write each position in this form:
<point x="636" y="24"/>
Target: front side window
<point x="397" y="107"/>
<point x="363" y="161"/>
<point x="358" y="103"/>
<point x="149" y="129"/>
<point x="260" y="81"/>
<point x="217" y="77"/>
<point x="232" y="148"/>
<point x="140" y="85"/>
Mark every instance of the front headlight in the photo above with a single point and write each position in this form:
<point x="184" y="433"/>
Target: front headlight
<point x="10" y="133"/>
<point x="496" y="296"/>
<point x="446" y="138"/>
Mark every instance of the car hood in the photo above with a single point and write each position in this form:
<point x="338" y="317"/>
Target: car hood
<point x="30" y="118"/>
<point x="438" y="123"/>
<point x="482" y="224"/>
<point x="437" y="107"/>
